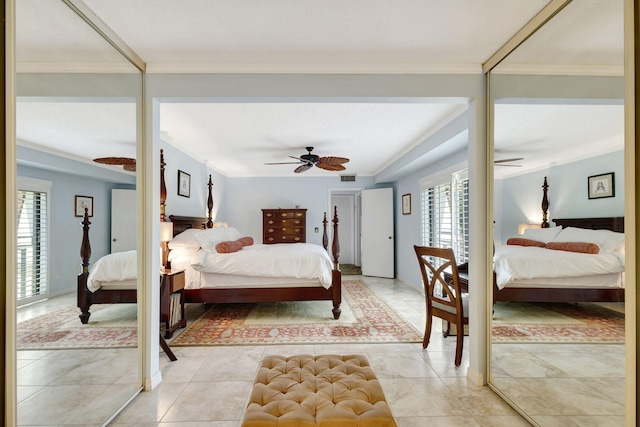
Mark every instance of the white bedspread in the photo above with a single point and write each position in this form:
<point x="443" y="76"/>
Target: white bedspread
<point x="116" y="267"/>
<point x="513" y="263"/>
<point x="298" y="260"/>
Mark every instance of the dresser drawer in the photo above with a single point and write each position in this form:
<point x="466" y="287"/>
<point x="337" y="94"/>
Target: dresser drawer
<point x="283" y="238"/>
<point x="284" y="222"/>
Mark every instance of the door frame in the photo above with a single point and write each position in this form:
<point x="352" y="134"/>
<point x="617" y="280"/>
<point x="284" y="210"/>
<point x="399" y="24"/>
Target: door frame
<point x="355" y="213"/>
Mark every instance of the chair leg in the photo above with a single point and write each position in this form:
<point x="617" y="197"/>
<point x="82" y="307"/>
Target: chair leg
<point x="459" y="341"/>
<point x="427" y="332"/>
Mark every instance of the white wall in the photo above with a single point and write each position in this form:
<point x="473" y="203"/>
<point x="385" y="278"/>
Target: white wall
<point x="520" y="198"/>
<point x="246" y="197"/>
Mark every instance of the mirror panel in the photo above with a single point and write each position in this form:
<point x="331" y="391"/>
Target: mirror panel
<point x="557" y="104"/>
<point x="77" y="100"/>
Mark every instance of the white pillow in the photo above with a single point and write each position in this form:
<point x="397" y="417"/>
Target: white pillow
<point x="607" y="240"/>
<point x="210" y="238"/>
<point x="186" y="239"/>
<point x="545" y="235"/>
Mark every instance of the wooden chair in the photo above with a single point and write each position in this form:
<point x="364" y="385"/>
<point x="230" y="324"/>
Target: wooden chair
<point x="443" y="297"/>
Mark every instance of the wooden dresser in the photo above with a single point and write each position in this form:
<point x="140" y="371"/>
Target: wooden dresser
<point x="284" y="226"/>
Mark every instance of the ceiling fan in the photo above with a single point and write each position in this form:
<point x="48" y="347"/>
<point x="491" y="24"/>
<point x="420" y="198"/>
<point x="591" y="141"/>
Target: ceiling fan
<point x="127" y="163"/>
<point x="307" y="161"/>
<point x="503" y="162"/>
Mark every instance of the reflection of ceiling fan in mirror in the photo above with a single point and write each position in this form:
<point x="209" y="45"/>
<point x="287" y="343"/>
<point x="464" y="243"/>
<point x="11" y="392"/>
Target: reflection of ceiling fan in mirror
<point x="127" y="163"/>
<point x="505" y="162"/>
<point x="307" y="161"/>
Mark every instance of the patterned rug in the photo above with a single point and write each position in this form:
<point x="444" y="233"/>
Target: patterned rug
<point x="366" y="318"/>
<point x="110" y="326"/>
<point x="556" y="322"/>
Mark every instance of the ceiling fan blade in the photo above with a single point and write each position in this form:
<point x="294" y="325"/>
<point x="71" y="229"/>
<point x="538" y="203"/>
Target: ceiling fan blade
<point x="515" y="159"/>
<point x="303" y="168"/>
<point x="284" y="163"/>
<point x="330" y="167"/>
<point x="301" y="160"/>
<point x="129" y="168"/>
<point x="331" y="160"/>
<point x="115" y="160"/>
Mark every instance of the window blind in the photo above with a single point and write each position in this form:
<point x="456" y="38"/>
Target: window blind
<point x="32" y="257"/>
<point x="445" y="215"/>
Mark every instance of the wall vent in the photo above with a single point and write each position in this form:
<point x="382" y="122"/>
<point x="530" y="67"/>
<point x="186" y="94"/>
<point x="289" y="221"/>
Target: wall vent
<point x="347" y="178"/>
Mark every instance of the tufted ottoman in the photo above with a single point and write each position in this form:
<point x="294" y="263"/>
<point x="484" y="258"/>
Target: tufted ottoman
<point x="310" y="391"/>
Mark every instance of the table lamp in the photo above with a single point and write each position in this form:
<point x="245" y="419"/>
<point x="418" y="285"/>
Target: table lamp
<point x="166" y="234"/>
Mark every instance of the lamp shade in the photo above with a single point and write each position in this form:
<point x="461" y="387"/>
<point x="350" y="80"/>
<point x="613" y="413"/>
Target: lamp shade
<point x="166" y="231"/>
<point x="522" y="227"/>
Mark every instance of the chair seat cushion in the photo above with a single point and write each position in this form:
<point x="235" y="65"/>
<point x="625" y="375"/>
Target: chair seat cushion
<point x="449" y="309"/>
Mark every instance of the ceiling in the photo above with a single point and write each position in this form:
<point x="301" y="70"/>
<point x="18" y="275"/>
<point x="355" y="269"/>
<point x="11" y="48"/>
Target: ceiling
<point x="307" y="36"/>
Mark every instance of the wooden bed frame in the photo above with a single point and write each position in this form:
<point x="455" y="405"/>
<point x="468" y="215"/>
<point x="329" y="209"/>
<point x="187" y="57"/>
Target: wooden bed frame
<point x="108" y="296"/>
<point x="238" y="295"/>
<point x="253" y="295"/>
<point x="566" y="294"/>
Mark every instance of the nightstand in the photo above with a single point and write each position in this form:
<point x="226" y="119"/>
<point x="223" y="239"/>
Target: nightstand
<point x="172" y="301"/>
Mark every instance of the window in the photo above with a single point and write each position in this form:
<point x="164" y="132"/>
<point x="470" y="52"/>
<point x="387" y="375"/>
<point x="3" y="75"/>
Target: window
<point x="33" y="240"/>
<point x="444" y="204"/>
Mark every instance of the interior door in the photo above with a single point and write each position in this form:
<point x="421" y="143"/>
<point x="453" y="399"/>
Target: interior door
<point x="123" y="220"/>
<point x="377" y="239"/>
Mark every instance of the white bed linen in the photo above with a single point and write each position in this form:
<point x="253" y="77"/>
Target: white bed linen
<point x="116" y="267"/>
<point x="293" y="260"/>
<point x="515" y="263"/>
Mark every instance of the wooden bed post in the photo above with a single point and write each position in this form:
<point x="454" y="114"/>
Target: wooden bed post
<point x="163" y="187"/>
<point x="545" y="204"/>
<point x="84" y="299"/>
<point x="325" y="237"/>
<point x="336" y="273"/>
<point x="210" y="204"/>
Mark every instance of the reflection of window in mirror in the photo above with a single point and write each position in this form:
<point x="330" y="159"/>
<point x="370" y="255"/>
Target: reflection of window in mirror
<point x="558" y="105"/>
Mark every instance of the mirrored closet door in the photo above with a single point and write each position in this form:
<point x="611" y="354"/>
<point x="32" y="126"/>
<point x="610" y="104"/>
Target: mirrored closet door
<point x="557" y="100"/>
<point x="77" y="99"/>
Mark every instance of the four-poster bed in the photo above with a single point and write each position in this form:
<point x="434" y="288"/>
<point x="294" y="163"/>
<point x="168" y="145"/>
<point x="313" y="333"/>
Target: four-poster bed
<point x="292" y="287"/>
<point x="578" y="260"/>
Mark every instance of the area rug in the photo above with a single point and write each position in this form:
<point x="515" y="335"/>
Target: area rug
<point x="556" y="323"/>
<point x="366" y="318"/>
<point x="110" y="326"/>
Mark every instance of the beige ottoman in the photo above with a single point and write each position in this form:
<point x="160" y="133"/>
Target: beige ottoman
<point x="327" y="391"/>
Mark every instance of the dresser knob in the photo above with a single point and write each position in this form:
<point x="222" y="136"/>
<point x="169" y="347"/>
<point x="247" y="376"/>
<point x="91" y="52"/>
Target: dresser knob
<point x="284" y="215"/>
<point x="284" y="237"/>
<point x="268" y="215"/>
<point x="270" y="230"/>
<point x="297" y="238"/>
<point x="270" y="239"/>
<point x="270" y="222"/>
<point x="284" y="229"/>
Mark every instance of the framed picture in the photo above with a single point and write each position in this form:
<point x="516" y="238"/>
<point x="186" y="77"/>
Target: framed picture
<point x="601" y="186"/>
<point x="82" y="203"/>
<point x="406" y="204"/>
<point x="184" y="184"/>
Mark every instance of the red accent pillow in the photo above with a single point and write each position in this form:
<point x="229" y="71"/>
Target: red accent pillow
<point x="229" y="246"/>
<point x="582" y="247"/>
<point x="519" y="241"/>
<point x="246" y="241"/>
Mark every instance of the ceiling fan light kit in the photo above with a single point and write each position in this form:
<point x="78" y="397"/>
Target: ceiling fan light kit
<point x="307" y="161"/>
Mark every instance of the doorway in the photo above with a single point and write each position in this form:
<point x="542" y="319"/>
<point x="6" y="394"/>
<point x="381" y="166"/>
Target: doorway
<point x="347" y="202"/>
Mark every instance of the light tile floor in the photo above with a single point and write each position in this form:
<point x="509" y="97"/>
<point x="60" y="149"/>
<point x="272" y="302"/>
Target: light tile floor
<point x="209" y="386"/>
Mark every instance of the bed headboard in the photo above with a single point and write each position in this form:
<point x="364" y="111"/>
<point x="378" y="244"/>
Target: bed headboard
<point x="613" y="223"/>
<point x="181" y="223"/>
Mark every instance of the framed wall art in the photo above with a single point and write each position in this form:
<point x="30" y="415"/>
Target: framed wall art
<point x="81" y="203"/>
<point x="601" y="186"/>
<point x="406" y="204"/>
<point x="184" y="184"/>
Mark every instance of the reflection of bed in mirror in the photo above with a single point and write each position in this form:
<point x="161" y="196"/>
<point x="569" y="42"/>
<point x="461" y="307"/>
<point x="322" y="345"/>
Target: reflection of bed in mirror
<point x="578" y="260"/>
<point x="113" y="278"/>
